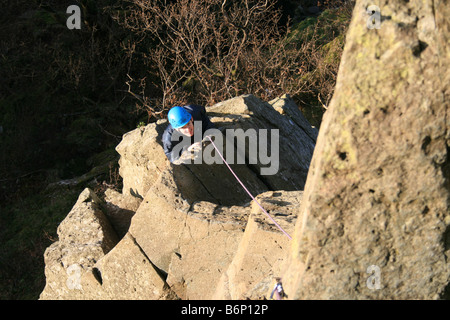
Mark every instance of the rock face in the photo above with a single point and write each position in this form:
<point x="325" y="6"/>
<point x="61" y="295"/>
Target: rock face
<point x="296" y="136"/>
<point x="262" y="249"/>
<point x="85" y="236"/>
<point x="374" y="221"/>
<point x="186" y="231"/>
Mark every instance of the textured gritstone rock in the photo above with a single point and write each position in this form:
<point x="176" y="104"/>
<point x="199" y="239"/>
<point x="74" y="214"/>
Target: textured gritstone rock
<point x="375" y="216"/>
<point x="187" y="231"/>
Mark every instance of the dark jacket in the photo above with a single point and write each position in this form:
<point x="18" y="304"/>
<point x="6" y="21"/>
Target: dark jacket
<point x="171" y="137"/>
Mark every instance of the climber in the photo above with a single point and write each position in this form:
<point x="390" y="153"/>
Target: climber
<point x="278" y="290"/>
<point x="183" y="122"/>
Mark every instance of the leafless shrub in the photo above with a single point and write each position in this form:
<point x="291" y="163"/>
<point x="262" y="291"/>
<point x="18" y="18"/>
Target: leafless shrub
<point x="322" y="44"/>
<point x="211" y="50"/>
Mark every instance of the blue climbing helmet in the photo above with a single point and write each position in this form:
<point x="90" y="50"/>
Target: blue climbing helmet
<point x="178" y="117"/>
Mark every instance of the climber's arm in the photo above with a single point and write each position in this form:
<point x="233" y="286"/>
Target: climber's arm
<point x="174" y="148"/>
<point x="168" y="146"/>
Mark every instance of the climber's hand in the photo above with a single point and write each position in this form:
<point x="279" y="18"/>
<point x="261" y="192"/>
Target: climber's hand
<point x="195" y="146"/>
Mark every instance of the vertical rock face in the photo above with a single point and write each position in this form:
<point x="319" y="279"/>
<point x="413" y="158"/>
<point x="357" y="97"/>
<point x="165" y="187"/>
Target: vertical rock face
<point x="140" y="163"/>
<point x="374" y="221"/>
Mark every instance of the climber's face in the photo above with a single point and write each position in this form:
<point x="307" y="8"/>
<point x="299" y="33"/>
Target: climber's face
<point x="188" y="129"/>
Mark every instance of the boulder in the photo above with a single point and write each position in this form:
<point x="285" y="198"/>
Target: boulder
<point x="126" y="273"/>
<point x="85" y="236"/>
<point x="88" y="261"/>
